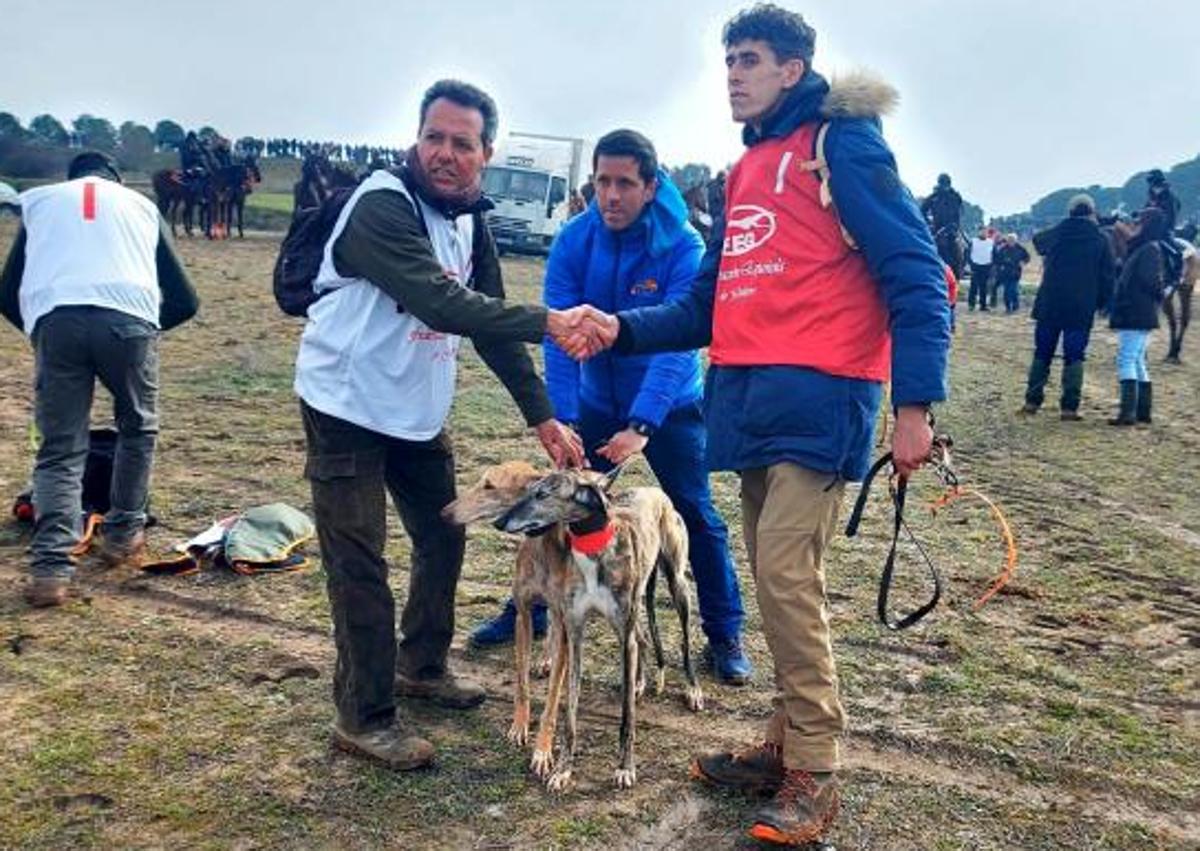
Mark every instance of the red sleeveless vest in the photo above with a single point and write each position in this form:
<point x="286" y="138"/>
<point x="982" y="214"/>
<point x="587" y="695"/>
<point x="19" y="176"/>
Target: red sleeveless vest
<point x="790" y="290"/>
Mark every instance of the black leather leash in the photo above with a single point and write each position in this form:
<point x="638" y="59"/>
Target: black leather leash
<point x="885" y="580"/>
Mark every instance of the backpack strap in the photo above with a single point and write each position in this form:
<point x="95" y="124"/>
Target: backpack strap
<point x="820" y="165"/>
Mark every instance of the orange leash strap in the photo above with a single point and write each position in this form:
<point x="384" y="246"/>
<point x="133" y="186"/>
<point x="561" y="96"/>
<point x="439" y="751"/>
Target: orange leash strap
<point x="90" y="525"/>
<point x="1010" y="560"/>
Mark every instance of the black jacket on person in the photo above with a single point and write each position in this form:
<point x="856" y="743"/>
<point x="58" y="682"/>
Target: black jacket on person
<point x="1077" y="273"/>
<point x="1139" y="291"/>
<point x="1007" y="261"/>
<point x="1166" y="201"/>
<point x="944" y="206"/>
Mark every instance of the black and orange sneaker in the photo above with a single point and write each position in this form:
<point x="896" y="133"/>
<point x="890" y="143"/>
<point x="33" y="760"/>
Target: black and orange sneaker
<point x="755" y="769"/>
<point x="801" y="811"/>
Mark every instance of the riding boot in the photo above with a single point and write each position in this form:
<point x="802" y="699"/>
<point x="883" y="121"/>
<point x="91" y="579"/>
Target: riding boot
<point x="1072" y="389"/>
<point x="1145" y="401"/>
<point x="1127" y="415"/>
<point x="1035" y="389"/>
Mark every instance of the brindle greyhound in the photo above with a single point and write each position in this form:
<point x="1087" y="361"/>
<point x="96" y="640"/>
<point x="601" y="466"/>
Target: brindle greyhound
<point x="635" y="534"/>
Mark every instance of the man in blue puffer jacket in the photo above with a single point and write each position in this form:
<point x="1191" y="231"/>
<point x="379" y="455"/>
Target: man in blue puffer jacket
<point x="634" y="248"/>
<point x="820" y="284"/>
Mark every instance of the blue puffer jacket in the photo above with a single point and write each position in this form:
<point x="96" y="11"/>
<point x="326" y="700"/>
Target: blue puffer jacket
<point x="762" y="415"/>
<point x="652" y="261"/>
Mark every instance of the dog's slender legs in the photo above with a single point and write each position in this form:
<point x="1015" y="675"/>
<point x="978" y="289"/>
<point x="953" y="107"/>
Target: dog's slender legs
<point x="652" y="619"/>
<point x="626" y="773"/>
<point x="518" y="733"/>
<point x="543" y="758"/>
<point x="548" y="648"/>
<point x="561" y="778"/>
<point x="674" y="564"/>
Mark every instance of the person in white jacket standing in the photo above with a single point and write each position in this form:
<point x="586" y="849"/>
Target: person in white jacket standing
<point x="92" y="279"/>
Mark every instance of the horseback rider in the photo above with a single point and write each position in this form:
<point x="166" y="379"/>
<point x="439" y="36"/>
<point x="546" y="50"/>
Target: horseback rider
<point x="943" y="207"/>
<point x="1160" y="195"/>
<point x="221" y="152"/>
<point x="191" y="156"/>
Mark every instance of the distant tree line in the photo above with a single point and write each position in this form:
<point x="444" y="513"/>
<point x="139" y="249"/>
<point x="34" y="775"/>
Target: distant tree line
<point x="43" y="148"/>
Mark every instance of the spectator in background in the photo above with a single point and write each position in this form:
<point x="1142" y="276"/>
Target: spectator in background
<point x="1160" y="196"/>
<point x="1077" y="280"/>
<point x="1134" y="315"/>
<point x="1007" y="261"/>
<point x="982" y="249"/>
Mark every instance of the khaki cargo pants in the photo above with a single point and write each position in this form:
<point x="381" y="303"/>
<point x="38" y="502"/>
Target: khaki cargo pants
<point x="789" y="514"/>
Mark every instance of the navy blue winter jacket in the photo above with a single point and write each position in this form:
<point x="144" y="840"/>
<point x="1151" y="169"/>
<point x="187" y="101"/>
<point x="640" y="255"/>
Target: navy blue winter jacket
<point x="762" y="415"/>
<point x="652" y="261"/>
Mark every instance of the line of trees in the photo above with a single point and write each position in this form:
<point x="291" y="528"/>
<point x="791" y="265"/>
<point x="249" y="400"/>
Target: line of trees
<point x="43" y="148"/>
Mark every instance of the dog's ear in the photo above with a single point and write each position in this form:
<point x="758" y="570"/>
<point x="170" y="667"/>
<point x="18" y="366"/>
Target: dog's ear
<point x="590" y="496"/>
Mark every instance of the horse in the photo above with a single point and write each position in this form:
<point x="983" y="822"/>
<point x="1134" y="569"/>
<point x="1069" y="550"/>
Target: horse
<point x="227" y="195"/>
<point x="1177" y="300"/>
<point x="173" y="190"/>
<point x="318" y="179"/>
<point x="951" y="247"/>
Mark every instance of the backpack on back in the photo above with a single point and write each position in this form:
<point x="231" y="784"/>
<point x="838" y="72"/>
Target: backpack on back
<point x="302" y="251"/>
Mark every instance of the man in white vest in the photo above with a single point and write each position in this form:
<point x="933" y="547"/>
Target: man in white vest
<point x="408" y="270"/>
<point x="92" y="279"/>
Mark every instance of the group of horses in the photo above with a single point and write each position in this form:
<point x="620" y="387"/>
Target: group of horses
<point x="213" y="198"/>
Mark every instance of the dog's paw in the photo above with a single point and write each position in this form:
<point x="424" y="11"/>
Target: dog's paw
<point x="625" y="777"/>
<point x="542" y="669"/>
<point x="695" y="698"/>
<point x="541" y="763"/>
<point x="518" y="733"/>
<point x="559" y="781"/>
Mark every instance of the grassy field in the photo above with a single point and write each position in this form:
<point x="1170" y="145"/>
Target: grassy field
<point x="194" y="712"/>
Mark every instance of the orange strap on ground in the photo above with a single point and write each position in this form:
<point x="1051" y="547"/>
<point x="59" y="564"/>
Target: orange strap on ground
<point x="1010" y="561"/>
<point x="89" y="533"/>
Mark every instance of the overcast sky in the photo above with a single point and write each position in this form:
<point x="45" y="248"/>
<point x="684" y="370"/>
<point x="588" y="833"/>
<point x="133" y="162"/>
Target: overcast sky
<point x="1013" y="98"/>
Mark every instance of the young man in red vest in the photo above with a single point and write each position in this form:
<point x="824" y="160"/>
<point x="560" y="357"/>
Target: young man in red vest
<point x="805" y="330"/>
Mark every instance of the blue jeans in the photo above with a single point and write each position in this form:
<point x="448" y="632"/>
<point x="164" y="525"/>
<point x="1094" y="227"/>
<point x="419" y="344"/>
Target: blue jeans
<point x="1074" y="342"/>
<point x="1131" y="356"/>
<point x="676" y="455"/>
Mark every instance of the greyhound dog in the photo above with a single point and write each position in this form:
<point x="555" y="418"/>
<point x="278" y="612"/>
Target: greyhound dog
<point x="602" y="554"/>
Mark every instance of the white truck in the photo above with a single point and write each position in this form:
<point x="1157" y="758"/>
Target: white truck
<point x="530" y="180"/>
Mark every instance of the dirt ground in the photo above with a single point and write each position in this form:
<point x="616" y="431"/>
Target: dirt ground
<point x="194" y="712"/>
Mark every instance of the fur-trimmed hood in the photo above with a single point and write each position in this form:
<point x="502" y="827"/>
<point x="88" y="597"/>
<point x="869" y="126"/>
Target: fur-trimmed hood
<point x="858" y="94"/>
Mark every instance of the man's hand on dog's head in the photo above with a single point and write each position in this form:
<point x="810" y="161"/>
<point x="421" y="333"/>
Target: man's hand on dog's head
<point x="561" y="443"/>
<point x="622" y="445"/>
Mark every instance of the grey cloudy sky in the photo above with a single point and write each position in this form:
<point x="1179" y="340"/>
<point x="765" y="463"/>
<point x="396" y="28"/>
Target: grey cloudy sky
<point x="1013" y="98"/>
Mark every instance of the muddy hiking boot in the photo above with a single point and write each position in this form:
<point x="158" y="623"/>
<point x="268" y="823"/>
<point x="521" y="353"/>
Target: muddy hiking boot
<point x="755" y="769"/>
<point x="128" y="553"/>
<point x="449" y="690"/>
<point x="388" y="746"/>
<point x="45" y="592"/>
<point x="801" y="811"/>
<point x="729" y="661"/>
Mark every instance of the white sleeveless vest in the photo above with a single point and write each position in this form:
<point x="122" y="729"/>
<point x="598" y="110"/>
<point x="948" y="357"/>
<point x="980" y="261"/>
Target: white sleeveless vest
<point x="89" y="242"/>
<point x="361" y="360"/>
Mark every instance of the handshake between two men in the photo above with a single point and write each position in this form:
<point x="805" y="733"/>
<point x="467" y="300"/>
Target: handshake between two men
<point x="582" y="331"/>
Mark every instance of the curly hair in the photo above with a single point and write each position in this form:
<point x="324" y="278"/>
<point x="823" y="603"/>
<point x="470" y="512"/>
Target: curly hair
<point x="784" y="31"/>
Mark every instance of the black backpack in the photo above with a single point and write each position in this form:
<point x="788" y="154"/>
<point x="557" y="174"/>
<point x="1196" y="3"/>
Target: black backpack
<point x="302" y="251"/>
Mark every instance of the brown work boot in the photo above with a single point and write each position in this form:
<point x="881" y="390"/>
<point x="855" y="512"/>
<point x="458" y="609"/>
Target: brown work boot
<point x="46" y="591"/>
<point x="131" y="553"/>
<point x="754" y="769"/>
<point x="389" y="746"/>
<point x="801" y="811"/>
<point x="449" y="690"/>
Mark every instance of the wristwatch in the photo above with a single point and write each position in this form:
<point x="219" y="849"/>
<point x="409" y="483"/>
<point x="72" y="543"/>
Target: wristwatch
<point x="641" y="427"/>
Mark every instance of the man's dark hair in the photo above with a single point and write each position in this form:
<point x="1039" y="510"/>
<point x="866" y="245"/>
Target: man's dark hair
<point x="96" y="163"/>
<point x="628" y="143"/>
<point x="786" y="32"/>
<point x="465" y="95"/>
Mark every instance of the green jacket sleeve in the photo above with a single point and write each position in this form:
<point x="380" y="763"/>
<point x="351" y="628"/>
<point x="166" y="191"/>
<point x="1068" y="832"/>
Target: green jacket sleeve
<point x="383" y="242"/>
<point x="508" y="359"/>
<point x="10" y="281"/>
<point x="179" y="299"/>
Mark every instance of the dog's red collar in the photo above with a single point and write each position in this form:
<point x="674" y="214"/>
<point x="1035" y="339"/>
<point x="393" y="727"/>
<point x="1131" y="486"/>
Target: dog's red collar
<point x="592" y="543"/>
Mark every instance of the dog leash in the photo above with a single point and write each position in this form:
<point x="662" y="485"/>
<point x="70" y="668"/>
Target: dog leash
<point x="899" y="492"/>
